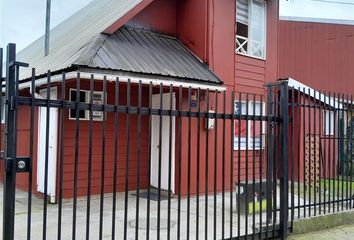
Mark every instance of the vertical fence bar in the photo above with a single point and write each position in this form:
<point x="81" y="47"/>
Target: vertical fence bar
<point x="189" y="162"/>
<point x="10" y="148"/>
<point x="180" y="96"/>
<point x="284" y="161"/>
<point x="351" y="152"/>
<point x="89" y="167"/>
<point x="346" y="149"/>
<point x="247" y="165"/>
<point x="115" y="173"/>
<point x="30" y="175"/>
<point x="253" y="165"/>
<point x="127" y="163"/>
<point x="324" y="137"/>
<point x="45" y="199"/>
<point x="137" y="203"/>
<point x="206" y="164"/>
<point x="298" y="110"/>
<point x="320" y="152"/>
<point x="215" y="160"/>
<point x="275" y="160"/>
<point x="269" y="160"/>
<point x="61" y="150"/>
<point x="159" y="164"/>
<point x="223" y="167"/>
<point x="341" y="149"/>
<point x="309" y="147"/>
<point x="198" y="167"/>
<point x="103" y="155"/>
<point x="292" y="146"/>
<point x="169" y="164"/>
<point x="304" y="108"/>
<point x="261" y="168"/>
<point x="149" y="166"/>
<point x="336" y="153"/>
<point x="315" y="150"/>
<point x="232" y="135"/>
<point x="76" y="161"/>
<point x="329" y="151"/>
<point x="239" y="166"/>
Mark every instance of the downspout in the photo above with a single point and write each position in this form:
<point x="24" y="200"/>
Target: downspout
<point x="206" y="33"/>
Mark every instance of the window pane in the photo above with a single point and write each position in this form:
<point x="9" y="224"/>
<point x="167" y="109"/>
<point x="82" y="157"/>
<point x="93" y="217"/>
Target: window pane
<point x="242" y="11"/>
<point x="240" y="127"/>
<point x="329" y="122"/>
<point x="253" y="128"/>
<point x="82" y="114"/>
<point x="257" y="28"/>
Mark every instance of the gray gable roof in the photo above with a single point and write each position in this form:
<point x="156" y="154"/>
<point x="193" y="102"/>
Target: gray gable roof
<point x="79" y="41"/>
<point x="145" y="52"/>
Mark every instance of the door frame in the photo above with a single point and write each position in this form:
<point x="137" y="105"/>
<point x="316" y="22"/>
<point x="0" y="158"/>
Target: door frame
<point x="53" y="131"/>
<point x="166" y="130"/>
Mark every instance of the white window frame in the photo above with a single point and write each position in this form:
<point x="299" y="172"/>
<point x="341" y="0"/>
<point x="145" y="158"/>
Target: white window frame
<point x="249" y="127"/>
<point x="328" y="116"/>
<point x="241" y="51"/>
<point x="87" y="100"/>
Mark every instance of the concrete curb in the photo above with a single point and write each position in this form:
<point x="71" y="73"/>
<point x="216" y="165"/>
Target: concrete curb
<point x="323" y="222"/>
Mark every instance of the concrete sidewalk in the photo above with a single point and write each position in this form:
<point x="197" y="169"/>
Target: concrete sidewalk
<point x="341" y="233"/>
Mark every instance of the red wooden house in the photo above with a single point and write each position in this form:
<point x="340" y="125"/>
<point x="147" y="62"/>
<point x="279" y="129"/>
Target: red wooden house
<point x="208" y="44"/>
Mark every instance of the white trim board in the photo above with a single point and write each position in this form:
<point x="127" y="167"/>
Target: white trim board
<point x="316" y="20"/>
<point x="292" y="83"/>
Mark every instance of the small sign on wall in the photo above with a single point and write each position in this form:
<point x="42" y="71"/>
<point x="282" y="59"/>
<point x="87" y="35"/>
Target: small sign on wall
<point x="194" y="99"/>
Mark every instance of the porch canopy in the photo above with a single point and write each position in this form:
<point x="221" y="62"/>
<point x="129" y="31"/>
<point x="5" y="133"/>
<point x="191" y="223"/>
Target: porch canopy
<point x="139" y="55"/>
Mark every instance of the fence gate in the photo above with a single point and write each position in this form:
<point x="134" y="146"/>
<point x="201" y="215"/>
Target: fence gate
<point x="97" y="156"/>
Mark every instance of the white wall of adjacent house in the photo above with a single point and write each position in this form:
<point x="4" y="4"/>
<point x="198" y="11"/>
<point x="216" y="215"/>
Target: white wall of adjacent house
<point x="322" y="11"/>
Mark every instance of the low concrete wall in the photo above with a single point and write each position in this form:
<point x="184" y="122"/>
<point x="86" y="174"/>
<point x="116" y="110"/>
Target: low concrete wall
<point x="323" y="222"/>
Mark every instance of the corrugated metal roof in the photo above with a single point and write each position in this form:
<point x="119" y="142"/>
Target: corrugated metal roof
<point x="140" y="51"/>
<point x="68" y="38"/>
<point x="79" y="41"/>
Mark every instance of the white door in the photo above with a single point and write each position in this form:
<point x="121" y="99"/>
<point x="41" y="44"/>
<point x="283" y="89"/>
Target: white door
<point x="165" y="140"/>
<point x="52" y="146"/>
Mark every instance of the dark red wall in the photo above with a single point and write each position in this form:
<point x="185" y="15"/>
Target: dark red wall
<point x="158" y="16"/>
<point x="318" y="55"/>
<point x="83" y="141"/>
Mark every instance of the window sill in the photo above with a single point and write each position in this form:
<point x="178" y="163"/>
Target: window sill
<point x="250" y="56"/>
<point x="249" y="149"/>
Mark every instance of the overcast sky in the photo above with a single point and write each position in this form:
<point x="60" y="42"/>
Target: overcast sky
<point x="23" y="21"/>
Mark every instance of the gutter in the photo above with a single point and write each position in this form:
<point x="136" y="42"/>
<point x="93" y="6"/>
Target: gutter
<point x="58" y="78"/>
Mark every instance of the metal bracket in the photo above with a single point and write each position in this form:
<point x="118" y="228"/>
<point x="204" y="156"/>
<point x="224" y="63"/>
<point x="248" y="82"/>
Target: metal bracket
<point x="22" y="164"/>
<point x="20" y="64"/>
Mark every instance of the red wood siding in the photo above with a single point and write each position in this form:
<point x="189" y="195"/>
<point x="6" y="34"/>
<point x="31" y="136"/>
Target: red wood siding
<point x="249" y="75"/>
<point x="318" y="55"/>
<point x="69" y="147"/>
<point x="159" y="16"/>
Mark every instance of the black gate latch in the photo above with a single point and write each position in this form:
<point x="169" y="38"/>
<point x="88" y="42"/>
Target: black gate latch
<point x="22" y="164"/>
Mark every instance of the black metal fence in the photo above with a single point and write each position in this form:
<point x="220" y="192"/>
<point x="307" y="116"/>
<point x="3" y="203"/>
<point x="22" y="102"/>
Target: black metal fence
<point x="108" y="157"/>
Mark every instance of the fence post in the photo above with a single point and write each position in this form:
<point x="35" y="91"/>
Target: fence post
<point x="10" y="148"/>
<point x="284" y="101"/>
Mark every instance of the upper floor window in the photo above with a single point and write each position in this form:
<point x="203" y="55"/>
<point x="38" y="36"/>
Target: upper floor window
<point x="250" y="27"/>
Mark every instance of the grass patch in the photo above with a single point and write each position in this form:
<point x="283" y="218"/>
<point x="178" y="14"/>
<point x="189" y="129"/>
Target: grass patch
<point x="336" y="184"/>
<point x="329" y="187"/>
